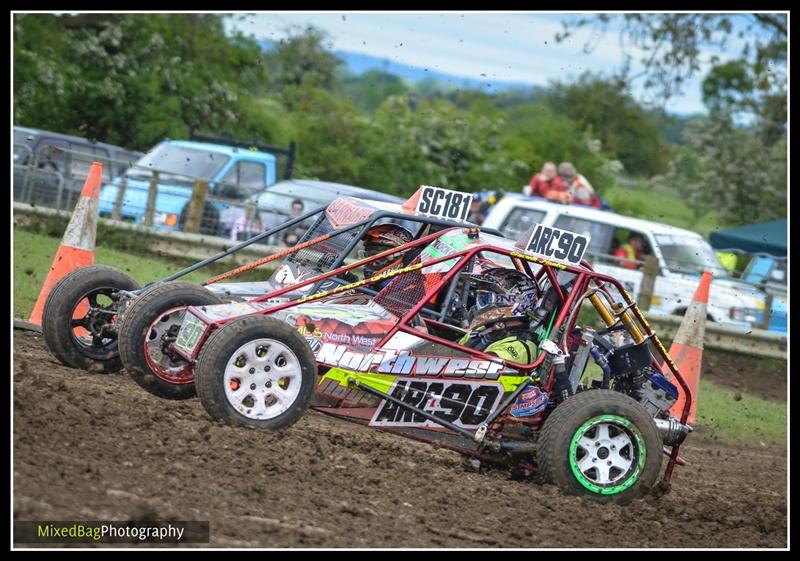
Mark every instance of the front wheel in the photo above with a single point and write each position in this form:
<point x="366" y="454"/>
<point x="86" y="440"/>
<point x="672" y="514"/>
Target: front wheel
<point x="149" y="326"/>
<point x="79" y="322"/>
<point x="256" y="372"/>
<point x="602" y="444"/>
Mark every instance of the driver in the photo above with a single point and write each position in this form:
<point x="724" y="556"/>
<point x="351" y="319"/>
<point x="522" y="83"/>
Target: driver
<point x="379" y="239"/>
<point x="501" y="316"/>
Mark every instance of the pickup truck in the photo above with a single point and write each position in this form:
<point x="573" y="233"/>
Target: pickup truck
<point x="234" y="171"/>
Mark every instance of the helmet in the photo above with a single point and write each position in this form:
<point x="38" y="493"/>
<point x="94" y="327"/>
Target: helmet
<point x="380" y="238"/>
<point x="501" y="293"/>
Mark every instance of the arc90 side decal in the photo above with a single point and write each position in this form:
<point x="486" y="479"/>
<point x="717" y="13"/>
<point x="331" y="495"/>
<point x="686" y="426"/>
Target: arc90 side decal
<point x="467" y="404"/>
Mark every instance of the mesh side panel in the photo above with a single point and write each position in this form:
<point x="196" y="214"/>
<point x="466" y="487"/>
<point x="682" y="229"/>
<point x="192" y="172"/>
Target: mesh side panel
<point x="321" y="256"/>
<point x="402" y="293"/>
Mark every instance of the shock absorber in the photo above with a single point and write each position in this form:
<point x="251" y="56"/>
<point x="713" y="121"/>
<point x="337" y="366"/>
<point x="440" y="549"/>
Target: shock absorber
<point x="618" y="313"/>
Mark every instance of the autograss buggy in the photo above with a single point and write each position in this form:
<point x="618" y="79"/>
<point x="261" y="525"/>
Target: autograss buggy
<point x="84" y="312"/>
<point x="405" y="362"/>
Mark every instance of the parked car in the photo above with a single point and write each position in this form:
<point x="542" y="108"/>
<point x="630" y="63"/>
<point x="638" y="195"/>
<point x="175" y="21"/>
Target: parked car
<point x="770" y="273"/>
<point x="50" y="168"/>
<point x="234" y="170"/>
<point x="682" y="256"/>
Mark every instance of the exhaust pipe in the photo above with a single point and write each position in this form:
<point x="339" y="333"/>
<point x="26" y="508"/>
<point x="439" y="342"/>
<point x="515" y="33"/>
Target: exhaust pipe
<point x="672" y="432"/>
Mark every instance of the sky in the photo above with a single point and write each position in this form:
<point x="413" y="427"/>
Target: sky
<point x="508" y="47"/>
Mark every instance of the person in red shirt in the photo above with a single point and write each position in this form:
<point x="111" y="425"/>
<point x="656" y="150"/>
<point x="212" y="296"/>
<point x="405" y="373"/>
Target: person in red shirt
<point x="549" y="185"/>
<point x="578" y="186"/>
<point x="633" y="250"/>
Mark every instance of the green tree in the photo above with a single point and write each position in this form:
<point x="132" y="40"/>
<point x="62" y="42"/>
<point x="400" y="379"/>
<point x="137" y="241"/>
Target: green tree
<point x="536" y="134"/>
<point x="133" y="79"/>
<point x="606" y="109"/>
<point x="303" y="60"/>
<point x="673" y="44"/>
<point x="725" y="166"/>
<point x="371" y="88"/>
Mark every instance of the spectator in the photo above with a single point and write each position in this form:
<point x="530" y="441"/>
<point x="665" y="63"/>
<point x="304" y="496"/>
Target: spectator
<point x="633" y="250"/>
<point x="579" y="187"/>
<point x="293" y="234"/>
<point x="247" y="223"/>
<point x="549" y="185"/>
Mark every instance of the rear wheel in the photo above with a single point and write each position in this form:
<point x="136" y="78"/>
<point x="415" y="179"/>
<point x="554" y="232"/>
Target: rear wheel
<point x="80" y="315"/>
<point x="602" y="444"/>
<point x="149" y="326"/>
<point x="256" y="372"/>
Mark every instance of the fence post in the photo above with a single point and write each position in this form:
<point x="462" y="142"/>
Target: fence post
<point x="194" y="214"/>
<point x="767" y="311"/>
<point x="650" y="272"/>
<point x="32" y="167"/>
<point x="151" y="200"/>
<point x="123" y="184"/>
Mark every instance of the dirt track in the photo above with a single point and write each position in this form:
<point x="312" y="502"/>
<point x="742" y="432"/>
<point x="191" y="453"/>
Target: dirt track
<point x="92" y="446"/>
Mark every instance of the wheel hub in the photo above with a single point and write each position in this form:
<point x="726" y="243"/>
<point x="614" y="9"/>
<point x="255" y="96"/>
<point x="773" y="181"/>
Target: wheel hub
<point x="262" y="379"/>
<point x="605" y="454"/>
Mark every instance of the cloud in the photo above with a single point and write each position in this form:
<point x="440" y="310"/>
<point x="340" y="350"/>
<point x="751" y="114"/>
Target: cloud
<point x="508" y="47"/>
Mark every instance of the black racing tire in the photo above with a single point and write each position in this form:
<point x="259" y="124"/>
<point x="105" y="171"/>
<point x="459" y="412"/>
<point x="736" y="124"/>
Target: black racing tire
<point x="578" y="421"/>
<point x="85" y="284"/>
<point x="176" y="379"/>
<point x="219" y="353"/>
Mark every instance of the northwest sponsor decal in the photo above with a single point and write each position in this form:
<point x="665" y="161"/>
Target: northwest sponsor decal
<point x="314" y="343"/>
<point x="346" y="211"/>
<point x="529" y="402"/>
<point x="402" y="362"/>
<point x="347" y="339"/>
<point x="559" y="245"/>
<point x="443" y="203"/>
<point x="467" y="404"/>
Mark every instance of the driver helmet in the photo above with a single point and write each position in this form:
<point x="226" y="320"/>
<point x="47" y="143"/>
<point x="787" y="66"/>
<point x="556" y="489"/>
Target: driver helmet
<point x="501" y="293"/>
<point x="380" y="238"/>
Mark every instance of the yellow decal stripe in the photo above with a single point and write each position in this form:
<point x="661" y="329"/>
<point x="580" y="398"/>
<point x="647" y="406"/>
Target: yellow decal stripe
<point x="527" y="257"/>
<point x="380" y="382"/>
<point x="357" y="284"/>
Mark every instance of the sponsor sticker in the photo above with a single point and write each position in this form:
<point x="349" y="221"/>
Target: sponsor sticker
<point x="443" y="203"/>
<point x="529" y="402"/>
<point x="559" y="245"/>
<point x="346" y="211"/>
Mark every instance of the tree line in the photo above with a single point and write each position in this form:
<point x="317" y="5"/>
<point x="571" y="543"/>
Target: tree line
<point x="135" y="80"/>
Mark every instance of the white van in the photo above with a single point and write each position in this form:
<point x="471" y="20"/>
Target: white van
<point x="682" y="256"/>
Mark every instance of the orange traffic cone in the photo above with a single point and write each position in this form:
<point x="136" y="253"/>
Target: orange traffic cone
<point x="687" y="347"/>
<point x="77" y="245"/>
<point x="411" y="204"/>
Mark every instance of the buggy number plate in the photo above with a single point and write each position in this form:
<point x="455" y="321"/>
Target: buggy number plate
<point x="559" y="245"/>
<point x="467" y="404"/>
<point x="190" y="333"/>
<point x="443" y="203"/>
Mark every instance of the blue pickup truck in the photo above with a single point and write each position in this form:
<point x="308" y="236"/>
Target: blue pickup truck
<point x="234" y="171"/>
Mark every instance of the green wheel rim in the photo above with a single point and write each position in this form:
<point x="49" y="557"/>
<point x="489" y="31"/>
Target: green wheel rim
<point x="637" y="461"/>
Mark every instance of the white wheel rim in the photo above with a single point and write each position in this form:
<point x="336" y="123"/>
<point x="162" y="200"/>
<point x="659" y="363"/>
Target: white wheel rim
<point x="607" y="455"/>
<point x="262" y="379"/>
